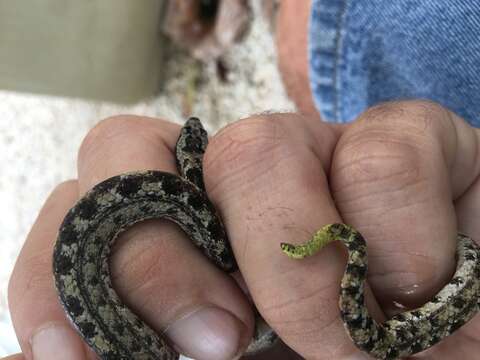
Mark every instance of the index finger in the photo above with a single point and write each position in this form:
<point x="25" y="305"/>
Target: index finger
<point x="269" y="177"/>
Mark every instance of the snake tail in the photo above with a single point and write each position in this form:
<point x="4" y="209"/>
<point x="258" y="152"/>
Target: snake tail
<point x="406" y="333"/>
<point x="322" y="237"/>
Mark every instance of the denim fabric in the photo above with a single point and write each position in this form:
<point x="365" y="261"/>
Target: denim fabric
<point x="363" y="52"/>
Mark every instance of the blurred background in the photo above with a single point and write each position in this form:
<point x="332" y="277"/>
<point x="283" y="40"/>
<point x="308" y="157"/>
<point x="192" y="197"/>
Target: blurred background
<point x="65" y="65"/>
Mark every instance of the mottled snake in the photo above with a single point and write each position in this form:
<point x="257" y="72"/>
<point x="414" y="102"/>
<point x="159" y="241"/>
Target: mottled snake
<point x="82" y="276"/>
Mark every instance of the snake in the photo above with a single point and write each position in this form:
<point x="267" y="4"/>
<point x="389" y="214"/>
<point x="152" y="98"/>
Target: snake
<point x="409" y="332"/>
<point x="89" y="230"/>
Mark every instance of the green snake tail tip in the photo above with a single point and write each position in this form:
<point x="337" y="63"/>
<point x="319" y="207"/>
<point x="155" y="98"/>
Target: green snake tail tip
<point x="321" y="238"/>
<point x="293" y="251"/>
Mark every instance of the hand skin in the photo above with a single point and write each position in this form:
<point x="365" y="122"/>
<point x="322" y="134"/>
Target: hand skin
<point x="401" y="174"/>
<point x="404" y="174"/>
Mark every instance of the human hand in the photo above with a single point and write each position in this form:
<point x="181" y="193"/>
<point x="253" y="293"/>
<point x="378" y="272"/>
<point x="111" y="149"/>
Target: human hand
<point x="268" y="177"/>
<point x="116" y="146"/>
<point x="401" y="174"/>
<point x="405" y="174"/>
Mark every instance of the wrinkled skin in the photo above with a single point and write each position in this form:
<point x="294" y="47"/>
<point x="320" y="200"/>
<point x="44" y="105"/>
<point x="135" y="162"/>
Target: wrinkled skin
<point x="404" y="174"/>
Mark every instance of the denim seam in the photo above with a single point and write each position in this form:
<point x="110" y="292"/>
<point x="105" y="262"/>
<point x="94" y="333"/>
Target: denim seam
<point x="337" y="88"/>
<point x="362" y="53"/>
<point x="324" y="53"/>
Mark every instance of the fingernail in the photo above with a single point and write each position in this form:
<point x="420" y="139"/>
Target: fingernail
<point x="208" y="333"/>
<point x="56" y="342"/>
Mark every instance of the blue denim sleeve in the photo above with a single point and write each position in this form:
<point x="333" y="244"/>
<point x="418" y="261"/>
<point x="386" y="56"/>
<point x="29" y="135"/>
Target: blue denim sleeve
<point x="362" y="52"/>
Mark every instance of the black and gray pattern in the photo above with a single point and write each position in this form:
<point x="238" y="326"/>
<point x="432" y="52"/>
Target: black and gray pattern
<point x="413" y="331"/>
<point x="80" y="260"/>
<point x="82" y="277"/>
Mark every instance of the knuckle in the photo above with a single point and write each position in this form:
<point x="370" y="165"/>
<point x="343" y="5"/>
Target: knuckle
<point x="393" y="143"/>
<point x="422" y="117"/>
<point x="107" y="129"/>
<point x="378" y="157"/>
<point x="124" y="129"/>
<point x="65" y="187"/>
<point x="248" y="148"/>
<point x="372" y="177"/>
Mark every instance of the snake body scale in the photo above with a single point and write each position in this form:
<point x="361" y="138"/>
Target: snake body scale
<point x="409" y="332"/>
<point x="82" y="276"/>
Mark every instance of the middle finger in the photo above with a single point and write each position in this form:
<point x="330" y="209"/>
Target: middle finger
<point x="268" y="175"/>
